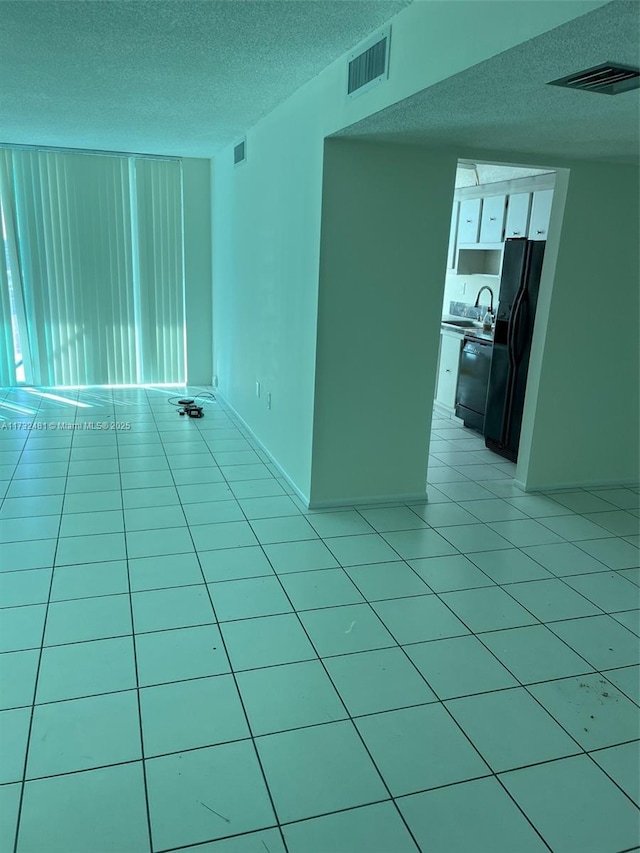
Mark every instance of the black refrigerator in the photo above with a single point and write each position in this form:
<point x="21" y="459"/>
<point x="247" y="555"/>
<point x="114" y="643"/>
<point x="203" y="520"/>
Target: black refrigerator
<point x="517" y="301"/>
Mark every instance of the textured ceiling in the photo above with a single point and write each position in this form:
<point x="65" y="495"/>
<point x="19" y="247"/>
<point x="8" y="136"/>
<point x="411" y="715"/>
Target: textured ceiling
<point x="504" y="103"/>
<point x="180" y="77"/>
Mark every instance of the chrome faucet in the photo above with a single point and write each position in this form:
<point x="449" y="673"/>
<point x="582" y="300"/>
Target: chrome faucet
<point x="485" y="287"/>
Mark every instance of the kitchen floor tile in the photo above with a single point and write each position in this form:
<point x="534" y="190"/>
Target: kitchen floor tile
<point x="289" y="697"/>
<point x="444" y="514"/>
<point x="386" y="580"/>
<point x="600" y="640"/>
<point x="234" y="563"/>
<point x="266" y="641"/>
<point x="621" y="763"/>
<point x="509" y="729"/>
<point x="574" y="528"/>
<point x="626" y="679"/>
<point x="60" y="813"/>
<point x="179" y="607"/>
<point x="413" y="544"/>
<point x="300" y="556"/>
<point x="535" y="654"/>
<point x="86" y="669"/>
<point x="469" y="538"/>
<point x="15" y="556"/>
<point x="148" y="573"/>
<point x="575" y="806"/>
<point x="212" y="512"/>
<point x="459" y="666"/>
<point x="418" y="748"/>
<point x="14" y="733"/>
<point x="622" y="498"/>
<point x="340" y="630"/>
<point x="360" y="550"/>
<point x="27" y="587"/>
<point x="243" y="599"/>
<point x="190" y="714"/>
<point x="18" y="678"/>
<point x="564" y="559"/>
<point x="376" y="829"/>
<point x="509" y="566"/>
<point x="487" y="609"/>
<point x="320" y="588"/>
<point x="81" y="734"/>
<point x="385" y="519"/>
<point x="492" y="822"/>
<point x="538" y="506"/>
<point x="619" y="523"/>
<point x="444" y="574"/>
<point x="89" y="580"/>
<point x="525" y="533"/>
<point x="199" y="795"/>
<point x="268" y="507"/>
<point x="9" y="807"/>
<point x="320" y="769"/>
<point x="593" y="712"/>
<point x="614" y="553"/>
<point x="88" y="619"/>
<point x="413" y="620"/>
<point x="607" y="590"/>
<point x="90" y="549"/>
<point x="177" y="655"/>
<point x="552" y="600"/>
<point x="22" y="627"/>
<point x="291" y="528"/>
<point x="383" y="680"/>
<point x="343" y="523"/>
<point x="491" y="510"/>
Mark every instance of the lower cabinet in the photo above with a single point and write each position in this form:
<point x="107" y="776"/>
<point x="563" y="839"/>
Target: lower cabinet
<point x="450" y="345"/>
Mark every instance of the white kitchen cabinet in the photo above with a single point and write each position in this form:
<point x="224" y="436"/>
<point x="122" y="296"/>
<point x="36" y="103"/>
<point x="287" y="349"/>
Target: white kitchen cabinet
<point x="450" y="344"/>
<point x="469" y="222"/>
<point x="453" y="234"/>
<point x="492" y="219"/>
<point x="518" y="215"/>
<point x="540" y="214"/>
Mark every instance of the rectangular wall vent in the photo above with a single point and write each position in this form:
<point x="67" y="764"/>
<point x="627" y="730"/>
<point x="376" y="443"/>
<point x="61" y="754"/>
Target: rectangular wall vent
<point x="240" y="152"/>
<point x="610" y="78"/>
<point x="369" y="65"/>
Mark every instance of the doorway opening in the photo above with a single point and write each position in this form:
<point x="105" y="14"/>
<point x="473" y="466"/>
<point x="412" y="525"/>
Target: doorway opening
<point x="499" y="224"/>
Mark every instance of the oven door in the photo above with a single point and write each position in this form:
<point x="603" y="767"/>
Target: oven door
<point x="473" y="382"/>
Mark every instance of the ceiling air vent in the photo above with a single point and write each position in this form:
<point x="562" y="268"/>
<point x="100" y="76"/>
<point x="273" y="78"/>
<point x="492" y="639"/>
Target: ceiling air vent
<point x="610" y="78"/>
<point x="369" y="65"/>
<point x="240" y="152"/>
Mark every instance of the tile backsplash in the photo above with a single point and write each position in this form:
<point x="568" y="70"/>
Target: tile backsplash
<point x="465" y="309"/>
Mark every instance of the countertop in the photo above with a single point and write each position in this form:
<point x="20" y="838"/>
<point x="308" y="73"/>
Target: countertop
<point x="475" y="331"/>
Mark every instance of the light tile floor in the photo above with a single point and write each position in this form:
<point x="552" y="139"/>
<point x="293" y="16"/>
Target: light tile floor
<point x="189" y="659"/>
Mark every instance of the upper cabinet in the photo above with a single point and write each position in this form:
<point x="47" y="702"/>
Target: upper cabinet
<point x="540" y="214"/>
<point x="469" y="222"/>
<point x="518" y="215"/>
<point x="492" y="220"/>
<point x="453" y="233"/>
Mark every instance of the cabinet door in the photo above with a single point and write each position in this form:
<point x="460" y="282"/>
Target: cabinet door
<point x="453" y="234"/>
<point x="492" y="221"/>
<point x="518" y="215"/>
<point x="469" y="224"/>
<point x="540" y="214"/>
<point x="448" y="372"/>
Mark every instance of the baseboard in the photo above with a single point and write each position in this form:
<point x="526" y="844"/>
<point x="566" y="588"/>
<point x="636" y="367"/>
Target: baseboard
<point x="369" y="501"/>
<point x="571" y="485"/>
<point x="272" y="460"/>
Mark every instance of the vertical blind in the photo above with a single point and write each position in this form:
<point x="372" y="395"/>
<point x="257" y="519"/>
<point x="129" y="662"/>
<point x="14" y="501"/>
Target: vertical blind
<point x="99" y="248"/>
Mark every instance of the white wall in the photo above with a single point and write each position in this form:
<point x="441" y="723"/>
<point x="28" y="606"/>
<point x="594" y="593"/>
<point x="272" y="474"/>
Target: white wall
<point x="197" y="269"/>
<point x="266" y="237"/>
<point x="581" y="421"/>
<point x="383" y="255"/>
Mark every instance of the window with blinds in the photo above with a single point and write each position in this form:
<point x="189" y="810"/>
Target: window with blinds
<point x="92" y="283"/>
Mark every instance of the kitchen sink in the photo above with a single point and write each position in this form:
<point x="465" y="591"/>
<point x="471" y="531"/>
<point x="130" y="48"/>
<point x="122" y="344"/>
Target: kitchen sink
<point x="462" y="323"/>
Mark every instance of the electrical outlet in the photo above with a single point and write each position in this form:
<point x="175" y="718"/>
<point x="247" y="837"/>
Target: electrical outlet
<point x="258" y="390"/>
<point x="269" y="400"/>
<point x="215" y="381"/>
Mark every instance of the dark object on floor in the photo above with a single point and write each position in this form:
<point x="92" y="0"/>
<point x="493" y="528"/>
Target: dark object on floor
<point x="189" y="408"/>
